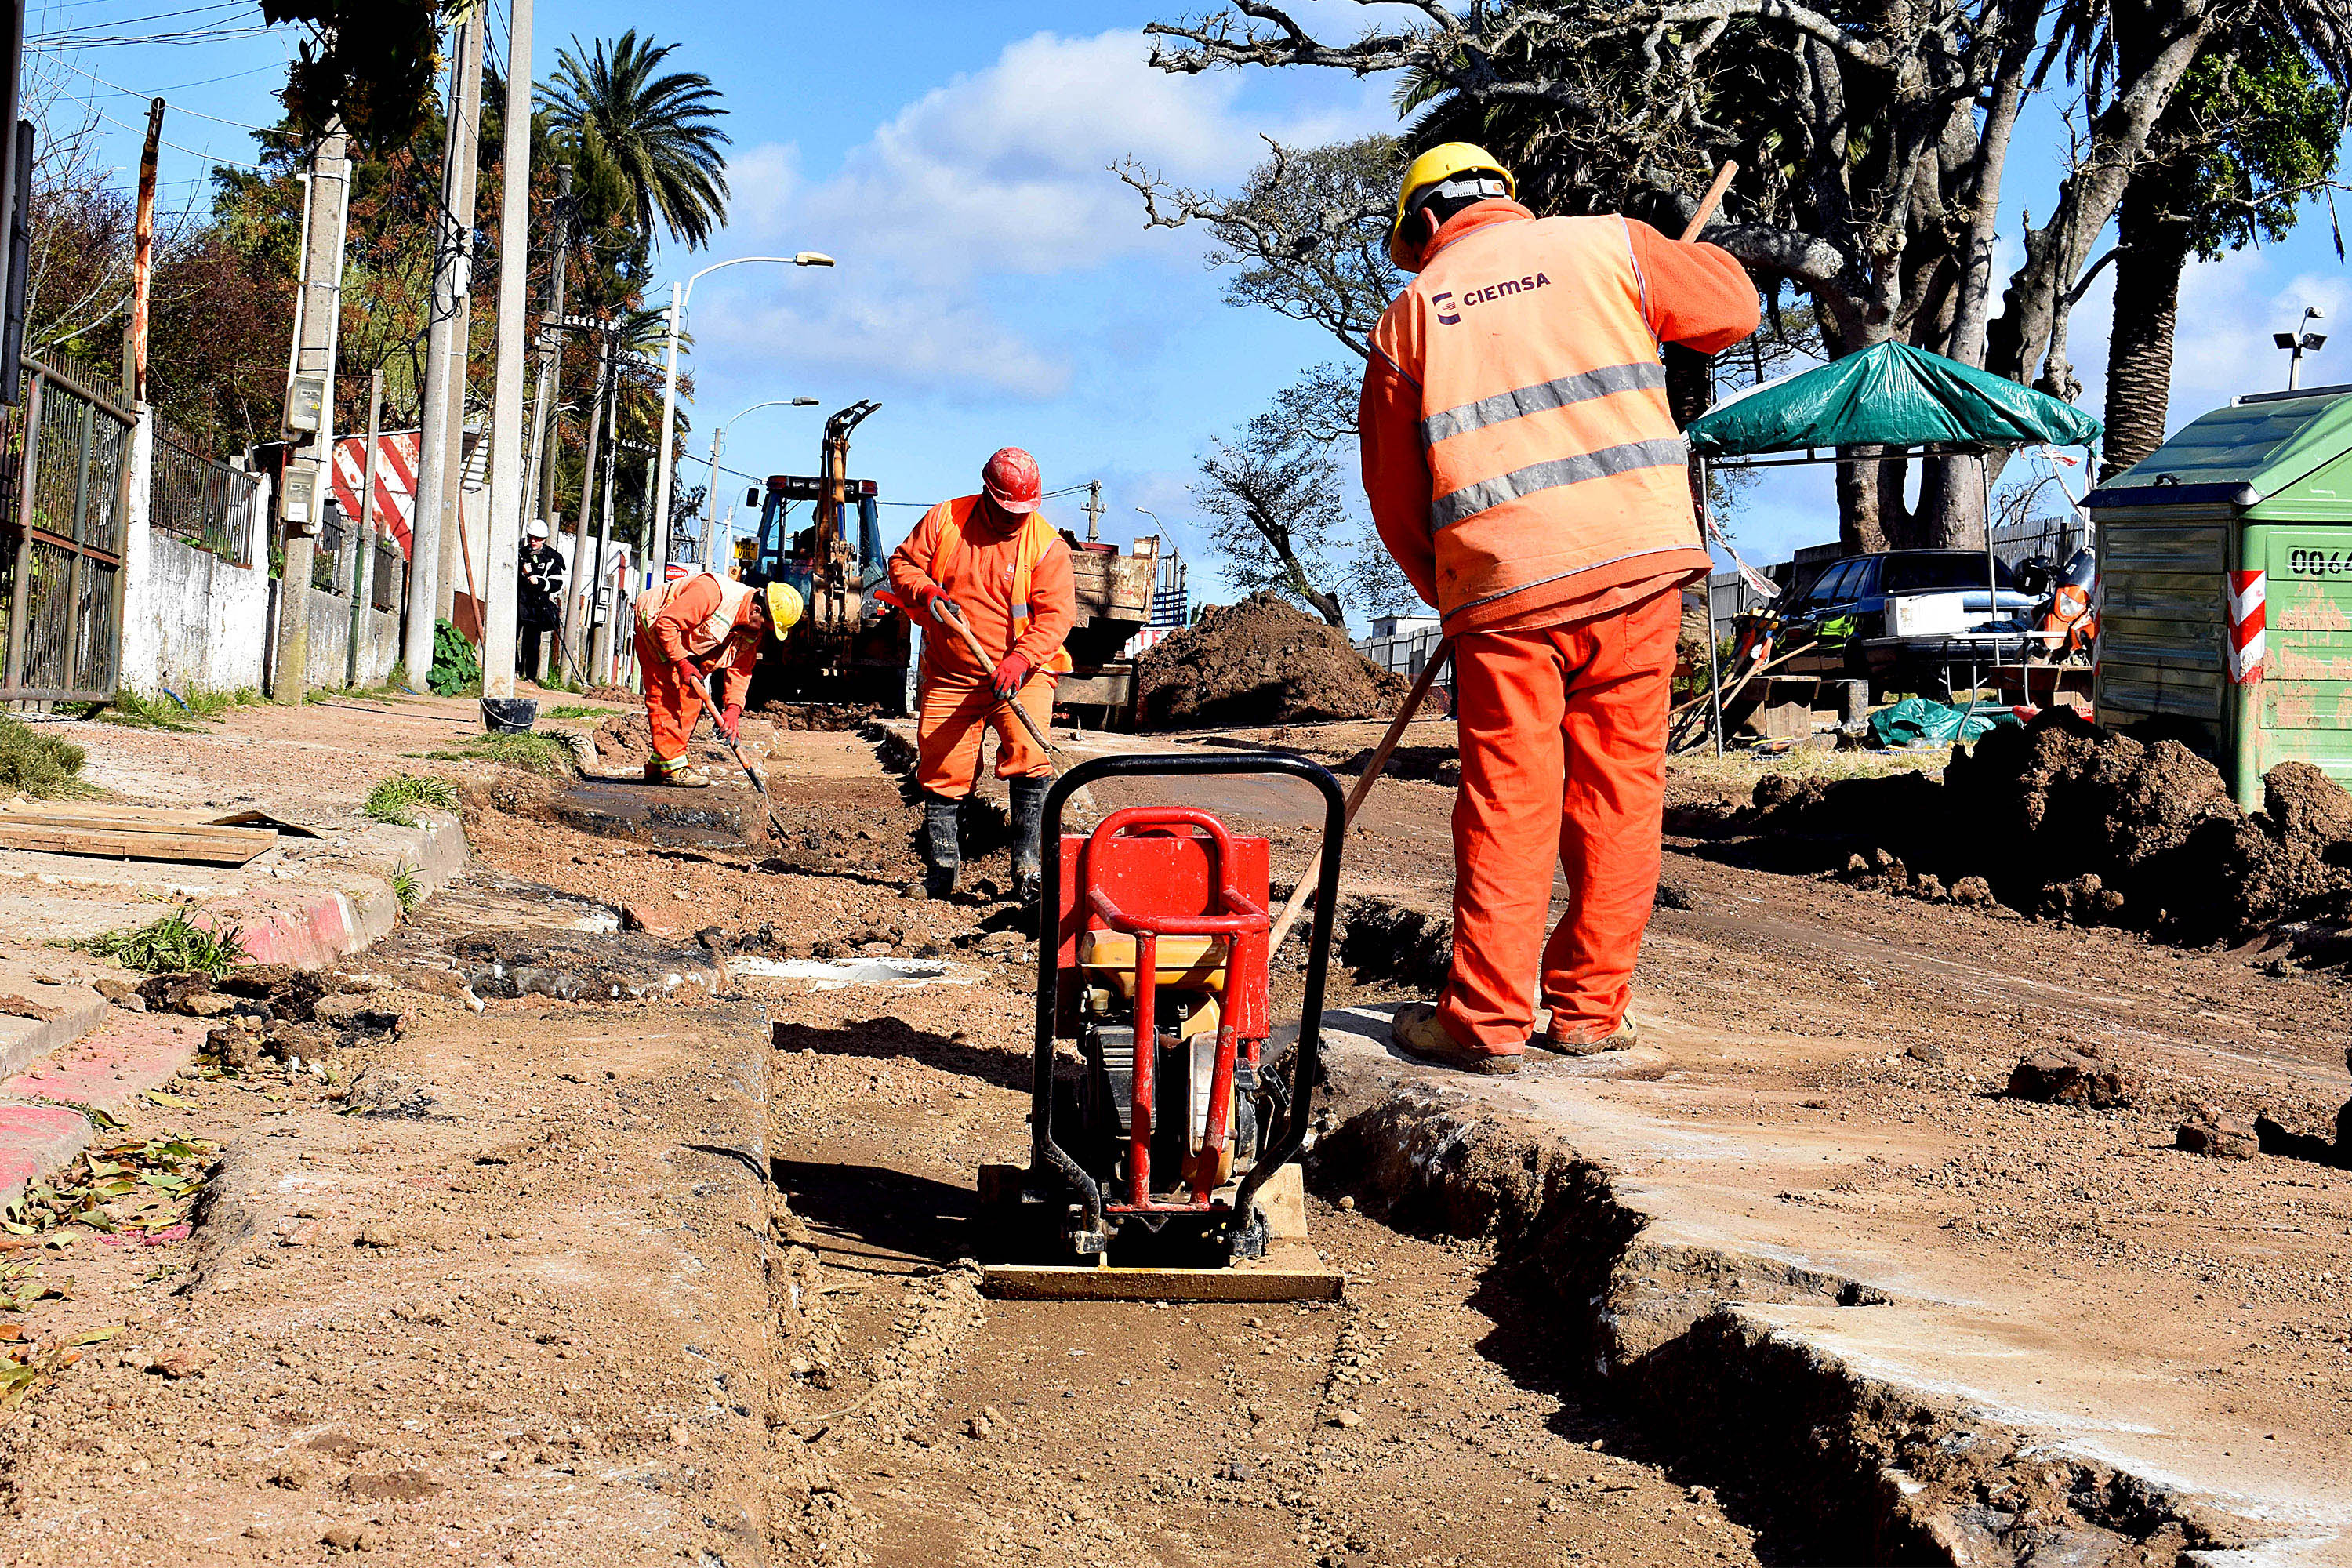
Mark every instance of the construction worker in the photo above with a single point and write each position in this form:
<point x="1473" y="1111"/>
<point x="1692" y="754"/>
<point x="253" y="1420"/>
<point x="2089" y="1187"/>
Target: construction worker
<point x="1524" y="469"/>
<point x="993" y="562"/>
<point x="696" y="627"/>
<point x="539" y="594"/>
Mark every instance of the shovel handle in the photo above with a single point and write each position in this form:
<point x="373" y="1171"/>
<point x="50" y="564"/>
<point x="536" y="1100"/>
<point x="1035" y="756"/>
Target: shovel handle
<point x="981" y="654"/>
<point x="1709" y="202"/>
<point x="1438" y="659"/>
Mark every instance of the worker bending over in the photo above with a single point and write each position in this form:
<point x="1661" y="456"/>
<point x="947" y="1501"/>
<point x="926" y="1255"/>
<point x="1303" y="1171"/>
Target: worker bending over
<point x="690" y="629"/>
<point x="994" y="561"/>
<point x="1524" y="469"/>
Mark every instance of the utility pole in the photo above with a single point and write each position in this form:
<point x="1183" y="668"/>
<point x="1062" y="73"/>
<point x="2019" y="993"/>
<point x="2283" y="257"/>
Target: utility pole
<point x="595" y="645"/>
<point x="1093" y="509"/>
<point x="445" y="349"/>
<point x="142" y="262"/>
<point x="306" y="483"/>
<point x="501" y="557"/>
<point x="587" y="497"/>
<point x="542" y="474"/>
<point x="363" y="532"/>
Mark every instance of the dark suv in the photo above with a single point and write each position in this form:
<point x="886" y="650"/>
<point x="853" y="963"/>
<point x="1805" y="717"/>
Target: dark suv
<point x="1907" y="619"/>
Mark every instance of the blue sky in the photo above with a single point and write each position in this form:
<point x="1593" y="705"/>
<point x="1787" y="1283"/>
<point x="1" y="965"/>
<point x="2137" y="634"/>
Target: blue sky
<point x="996" y="284"/>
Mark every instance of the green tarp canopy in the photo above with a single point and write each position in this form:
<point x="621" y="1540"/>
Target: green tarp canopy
<point x="1890" y="394"/>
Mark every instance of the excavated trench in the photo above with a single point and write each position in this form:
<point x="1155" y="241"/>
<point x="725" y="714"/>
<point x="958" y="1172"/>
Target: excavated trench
<point x="1832" y="1465"/>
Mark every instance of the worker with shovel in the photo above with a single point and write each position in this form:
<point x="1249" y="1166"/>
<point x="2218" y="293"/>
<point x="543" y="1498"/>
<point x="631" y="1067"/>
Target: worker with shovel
<point x="688" y="630"/>
<point x="1522" y="468"/>
<point x="989" y="580"/>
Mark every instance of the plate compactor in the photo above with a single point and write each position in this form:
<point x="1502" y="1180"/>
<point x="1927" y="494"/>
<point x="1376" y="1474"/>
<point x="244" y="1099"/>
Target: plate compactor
<point x="1163" y="1159"/>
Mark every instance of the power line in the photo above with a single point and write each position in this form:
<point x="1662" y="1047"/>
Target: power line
<point x="156" y="17"/>
<point x="53" y="42"/>
<point x="175" y="146"/>
<point x="176" y="108"/>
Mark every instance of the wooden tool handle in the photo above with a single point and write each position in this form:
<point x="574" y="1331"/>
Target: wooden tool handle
<point x="1709" y="202"/>
<point x="1013" y="702"/>
<point x="1438" y="657"/>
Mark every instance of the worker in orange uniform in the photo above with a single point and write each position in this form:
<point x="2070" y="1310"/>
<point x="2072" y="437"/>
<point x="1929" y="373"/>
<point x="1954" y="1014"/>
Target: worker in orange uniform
<point x="1524" y="469"/>
<point x="702" y="624"/>
<point x="994" y="561"/>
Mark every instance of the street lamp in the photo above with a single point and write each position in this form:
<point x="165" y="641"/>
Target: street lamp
<point x="719" y="445"/>
<point x="2299" y="342"/>
<point x="678" y="297"/>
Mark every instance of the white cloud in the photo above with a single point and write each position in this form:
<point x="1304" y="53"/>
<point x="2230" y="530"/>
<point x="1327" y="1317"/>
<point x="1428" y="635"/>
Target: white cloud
<point x="2228" y="309"/>
<point x="998" y="176"/>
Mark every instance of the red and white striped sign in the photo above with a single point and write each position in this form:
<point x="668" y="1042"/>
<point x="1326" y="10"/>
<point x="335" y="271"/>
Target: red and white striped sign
<point x="395" y="480"/>
<point x="2247" y="595"/>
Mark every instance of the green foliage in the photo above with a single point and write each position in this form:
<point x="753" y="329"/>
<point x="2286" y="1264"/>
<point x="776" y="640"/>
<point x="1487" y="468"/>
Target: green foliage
<point x="128" y="708"/>
<point x="456" y="667"/>
<point x="372" y="66"/>
<point x="2246" y="135"/>
<point x="644" y="146"/>
<point x="576" y="710"/>
<point x="171" y="945"/>
<point x="545" y="754"/>
<point x="406" y="889"/>
<point x="396" y="799"/>
<point x="39" y="763"/>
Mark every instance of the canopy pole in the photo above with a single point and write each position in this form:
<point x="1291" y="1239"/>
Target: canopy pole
<point x="1714" y="669"/>
<point x="1992" y="576"/>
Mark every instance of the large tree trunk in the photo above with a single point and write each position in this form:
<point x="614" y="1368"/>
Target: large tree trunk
<point x="2151" y="253"/>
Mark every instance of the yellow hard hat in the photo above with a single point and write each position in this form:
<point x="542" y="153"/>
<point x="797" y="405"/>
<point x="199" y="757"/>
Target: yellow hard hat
<point x="783" y="607"/>
<point x="1435" y="167"/>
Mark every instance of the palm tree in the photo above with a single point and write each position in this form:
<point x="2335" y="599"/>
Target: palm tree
<point x="645" y="143"/>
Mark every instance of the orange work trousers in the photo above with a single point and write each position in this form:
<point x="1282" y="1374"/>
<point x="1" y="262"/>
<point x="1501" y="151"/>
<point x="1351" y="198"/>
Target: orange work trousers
<point x="955" y="709"/>
<point x="1563" y="738"/>
<point x="672" y="709"/>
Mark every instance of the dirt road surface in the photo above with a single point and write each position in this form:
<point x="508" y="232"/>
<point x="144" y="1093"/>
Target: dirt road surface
<point x="686" y="1273"/>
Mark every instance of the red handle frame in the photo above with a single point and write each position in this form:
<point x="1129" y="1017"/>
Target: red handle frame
<point x="1243" y="920"/>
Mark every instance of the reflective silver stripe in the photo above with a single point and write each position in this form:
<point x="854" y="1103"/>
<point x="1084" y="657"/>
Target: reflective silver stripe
<point x="1486" y="494"/>
<point x="1523" y="400"/>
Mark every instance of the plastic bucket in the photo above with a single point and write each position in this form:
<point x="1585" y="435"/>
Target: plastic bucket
<point x="509" y="715"/>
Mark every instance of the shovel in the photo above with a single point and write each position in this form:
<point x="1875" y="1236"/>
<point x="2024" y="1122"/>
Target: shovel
<point x="735" y="748"/>
<point x="1083" y="799"/>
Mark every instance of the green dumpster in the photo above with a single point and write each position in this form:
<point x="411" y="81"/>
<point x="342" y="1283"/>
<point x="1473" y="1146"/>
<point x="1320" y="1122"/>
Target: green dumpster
<point x="2225" y="569"/>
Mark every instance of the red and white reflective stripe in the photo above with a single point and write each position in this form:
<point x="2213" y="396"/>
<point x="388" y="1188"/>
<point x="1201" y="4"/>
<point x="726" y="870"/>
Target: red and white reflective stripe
<point x="2246" y="621"/>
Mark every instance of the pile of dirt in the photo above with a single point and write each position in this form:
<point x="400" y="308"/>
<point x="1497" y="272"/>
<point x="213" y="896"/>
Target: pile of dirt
<point x="2067" y="821"/>
<point x="623" y="741"/>
<point x="819" y="716"/>
<point x="1262" y="661"/>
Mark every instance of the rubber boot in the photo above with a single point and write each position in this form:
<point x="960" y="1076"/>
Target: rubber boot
<point x="942" y="845"/>
<point x="1028" y="826"/>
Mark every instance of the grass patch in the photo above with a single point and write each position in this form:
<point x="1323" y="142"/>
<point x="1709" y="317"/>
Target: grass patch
<point x="546" y="755"/>
<point x="576" y="710"/>
<point x="39" y="764"/>
<point x="170" y="945"/>
<point x="128" y="708"/>
<point x="406" y="889"/>
<point x="396" y="799"/>
<point x="1736" y="773"/>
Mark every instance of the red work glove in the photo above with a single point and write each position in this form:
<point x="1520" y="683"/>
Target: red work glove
<point x="1011" y="674"/>
<point x="730" y="722"/>
<point x="935" y="599"/>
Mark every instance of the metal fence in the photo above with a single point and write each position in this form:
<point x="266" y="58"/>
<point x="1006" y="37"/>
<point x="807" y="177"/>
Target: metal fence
<point x="209" y="504"/>
<point x="326" y="559"/>
<point x="64" y="494"/>
<point x="383" y="580"/>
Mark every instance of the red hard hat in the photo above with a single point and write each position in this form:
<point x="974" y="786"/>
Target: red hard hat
<point x="1011" y="480"/>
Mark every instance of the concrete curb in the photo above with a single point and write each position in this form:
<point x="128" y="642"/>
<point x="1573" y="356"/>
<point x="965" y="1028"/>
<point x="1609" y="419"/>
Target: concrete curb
<point x="26" y="1040"/>
<point x="310" y="927"/>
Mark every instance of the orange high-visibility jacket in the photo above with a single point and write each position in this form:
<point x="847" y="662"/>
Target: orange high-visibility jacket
<point x="1518" y="449"/>
<point x="703" y="620"/>
<point x="1016" y="589"/>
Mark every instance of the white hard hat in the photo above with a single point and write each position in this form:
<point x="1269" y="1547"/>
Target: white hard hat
<point x="538" y="528"/>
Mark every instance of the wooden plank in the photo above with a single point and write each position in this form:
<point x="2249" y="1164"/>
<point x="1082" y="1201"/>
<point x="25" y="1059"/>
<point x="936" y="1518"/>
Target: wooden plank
<point x="211" y="847"/>
<point x="1288" y="1272"/>
<point x="139" y="824"/>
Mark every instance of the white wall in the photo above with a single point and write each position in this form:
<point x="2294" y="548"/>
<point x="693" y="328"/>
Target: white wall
<point x="200" y="624"/>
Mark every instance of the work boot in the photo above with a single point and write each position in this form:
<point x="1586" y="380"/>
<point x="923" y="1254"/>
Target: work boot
<point x="1588" y="1039"/>
<point x="1417" y="1033"/>
<point x="942" y="845"/>
<point x="1028" y="827"/>
<point x="681" y="774"/>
